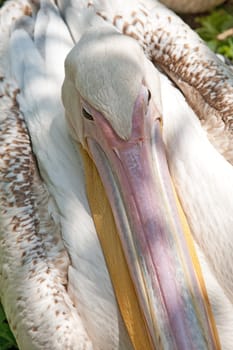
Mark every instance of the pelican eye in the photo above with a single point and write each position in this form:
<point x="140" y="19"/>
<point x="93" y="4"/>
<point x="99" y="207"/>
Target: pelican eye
<point x="86" y="114"/>
<point x="149" y="96"/>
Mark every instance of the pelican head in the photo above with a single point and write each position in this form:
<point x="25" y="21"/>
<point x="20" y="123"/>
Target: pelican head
<point x="111" y="95"/>
<point x="100" y="70"/>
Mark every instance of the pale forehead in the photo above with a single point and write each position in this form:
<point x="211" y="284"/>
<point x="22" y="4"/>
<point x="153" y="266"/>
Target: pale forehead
<point x="107" y="69"/>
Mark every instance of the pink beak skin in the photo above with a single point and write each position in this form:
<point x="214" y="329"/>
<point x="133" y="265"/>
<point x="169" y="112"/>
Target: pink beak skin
<point x="138" y="185"/>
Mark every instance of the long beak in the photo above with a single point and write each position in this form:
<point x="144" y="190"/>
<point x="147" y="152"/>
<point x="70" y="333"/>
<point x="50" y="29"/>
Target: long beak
<point x="154" y="236"/>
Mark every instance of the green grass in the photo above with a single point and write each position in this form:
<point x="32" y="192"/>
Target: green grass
<point x="7" y="340"/>
<point x="214" y="29"/>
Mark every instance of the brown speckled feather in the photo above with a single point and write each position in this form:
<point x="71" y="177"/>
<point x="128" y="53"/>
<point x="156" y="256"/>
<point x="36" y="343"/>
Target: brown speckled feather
<point x="50" y="257"/>
<point x="205" y="80"/>
<point x="34" y="262"/>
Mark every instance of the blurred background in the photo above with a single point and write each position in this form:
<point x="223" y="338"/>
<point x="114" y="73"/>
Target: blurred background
<point x="215" y="27"/>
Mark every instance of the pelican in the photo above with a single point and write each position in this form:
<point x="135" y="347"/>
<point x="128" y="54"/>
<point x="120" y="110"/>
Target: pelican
<point x="61" y="285"/>
<point x="194" y="6"/>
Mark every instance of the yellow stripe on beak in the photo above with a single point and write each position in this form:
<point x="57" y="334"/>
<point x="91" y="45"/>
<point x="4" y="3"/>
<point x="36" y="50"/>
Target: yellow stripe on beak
<point x="114" y="256"/>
